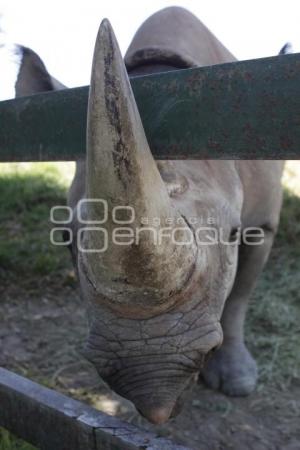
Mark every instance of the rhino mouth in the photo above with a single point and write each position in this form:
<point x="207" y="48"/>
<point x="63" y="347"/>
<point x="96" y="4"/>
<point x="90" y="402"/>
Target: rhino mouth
<point x="182" y="397"/>
<point x="153" y="363"/>
<point x="158" y="389"/>
<point x="161" y="414"/>
<point x="157" y="400"/>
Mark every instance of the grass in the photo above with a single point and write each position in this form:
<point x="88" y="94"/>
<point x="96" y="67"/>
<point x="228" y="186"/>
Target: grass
<point x="9" y="442"/>
<point x="273" y="322"/>
<point x="27" y="257"/>
<point x="28" y="191"/>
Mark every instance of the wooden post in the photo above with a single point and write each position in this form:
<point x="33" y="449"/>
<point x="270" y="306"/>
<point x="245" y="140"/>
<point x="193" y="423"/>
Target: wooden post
<point x="53" y="421"/>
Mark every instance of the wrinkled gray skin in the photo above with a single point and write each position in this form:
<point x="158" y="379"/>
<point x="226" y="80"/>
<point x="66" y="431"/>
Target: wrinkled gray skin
<point x="156" y="314"/>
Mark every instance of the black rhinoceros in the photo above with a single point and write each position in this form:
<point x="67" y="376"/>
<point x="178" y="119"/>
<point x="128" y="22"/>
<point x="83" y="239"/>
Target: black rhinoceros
<point x="158" y="308"/>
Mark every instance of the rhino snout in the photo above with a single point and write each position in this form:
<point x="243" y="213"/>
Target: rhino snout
<point x="157" y="414"/>
<point x="158" y="395"/>
<point x="153" y="372"/>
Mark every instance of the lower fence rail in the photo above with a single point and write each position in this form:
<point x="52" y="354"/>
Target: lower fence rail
<point x="53" y="421"/>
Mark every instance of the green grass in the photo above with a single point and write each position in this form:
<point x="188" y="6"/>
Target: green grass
<point x="28" y="191"/>
<point x="26" y="198"/>
<point x="28" y="259"/>
<point x="273" y="322"/>
<point x="9" y="442"/>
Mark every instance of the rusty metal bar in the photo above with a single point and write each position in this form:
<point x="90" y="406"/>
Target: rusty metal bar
<point x="242" y="110"/>
<point x="50" y="420"/>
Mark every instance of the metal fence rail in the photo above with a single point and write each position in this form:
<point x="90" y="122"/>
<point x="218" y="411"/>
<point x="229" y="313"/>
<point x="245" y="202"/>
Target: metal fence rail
<point x="242" y="110"/>
<point x="52" y="421"/>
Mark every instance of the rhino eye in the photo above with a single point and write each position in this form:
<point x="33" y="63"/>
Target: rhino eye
<point x="66" y="237"/>
<point x="234" y="233"/>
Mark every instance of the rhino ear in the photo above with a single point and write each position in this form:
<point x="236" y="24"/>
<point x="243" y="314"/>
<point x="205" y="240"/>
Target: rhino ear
<point x="286" y="49"/>
<point x="33" y="76"/>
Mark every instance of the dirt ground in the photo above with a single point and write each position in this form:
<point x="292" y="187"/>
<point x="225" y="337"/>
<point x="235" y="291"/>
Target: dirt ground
<point x="41" y="338"/>
<point x="43" y="325"/>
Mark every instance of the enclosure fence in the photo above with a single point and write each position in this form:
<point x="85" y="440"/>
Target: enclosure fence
<point x="241" y="110"/>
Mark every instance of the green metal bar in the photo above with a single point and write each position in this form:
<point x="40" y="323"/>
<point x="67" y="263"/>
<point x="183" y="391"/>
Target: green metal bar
<point x="242" y="110"/>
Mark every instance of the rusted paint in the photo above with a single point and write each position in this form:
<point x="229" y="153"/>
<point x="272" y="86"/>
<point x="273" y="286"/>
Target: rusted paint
<point x="240" y="110"/>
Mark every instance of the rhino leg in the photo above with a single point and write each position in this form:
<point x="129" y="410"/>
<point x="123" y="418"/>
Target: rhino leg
<point x="232" y="369"/>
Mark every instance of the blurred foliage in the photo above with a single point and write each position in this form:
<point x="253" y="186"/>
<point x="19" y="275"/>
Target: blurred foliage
<point x="9" y="442"/>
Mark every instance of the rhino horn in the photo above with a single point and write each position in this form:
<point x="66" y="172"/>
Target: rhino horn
<point x="121" y="172"/>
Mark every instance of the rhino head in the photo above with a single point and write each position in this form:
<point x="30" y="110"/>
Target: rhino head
<point x="154" y="287"/>
<point x="154" y="306"/>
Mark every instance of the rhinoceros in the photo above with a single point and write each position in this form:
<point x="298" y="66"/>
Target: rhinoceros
<point x="162" y="312"/>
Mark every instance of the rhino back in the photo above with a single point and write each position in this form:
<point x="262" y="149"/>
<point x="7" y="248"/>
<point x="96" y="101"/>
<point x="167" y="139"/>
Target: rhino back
<point x="175" y="35"/>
